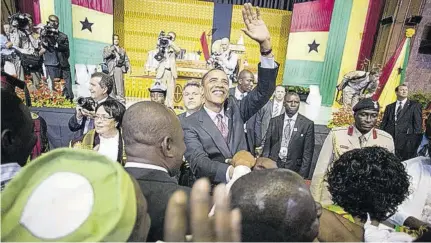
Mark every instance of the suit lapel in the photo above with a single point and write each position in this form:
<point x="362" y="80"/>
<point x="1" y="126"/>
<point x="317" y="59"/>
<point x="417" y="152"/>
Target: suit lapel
<point x="404" y="109"/>
<point x="280" y="127"/>
<point x="297" y="128"/>
<point x="209" y="127"/>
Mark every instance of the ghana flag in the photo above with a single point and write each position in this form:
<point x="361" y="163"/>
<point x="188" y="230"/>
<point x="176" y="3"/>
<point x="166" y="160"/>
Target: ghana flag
<point x="92" y="29"/>
<point x="394" y="72"/>
<point x="307" y="42"/>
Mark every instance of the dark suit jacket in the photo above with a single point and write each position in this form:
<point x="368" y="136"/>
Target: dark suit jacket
<point x="74" y="126"/>
<point x="206" y="149"/>
<point x="266" y="115"/>
<point x="253" y="128"/>
<point x="61" y="51"/>
<point x="300" y="148"/>
<point x="407" y="130"/>
<point x="157" y="187"/>
<point x="182" y="116"/>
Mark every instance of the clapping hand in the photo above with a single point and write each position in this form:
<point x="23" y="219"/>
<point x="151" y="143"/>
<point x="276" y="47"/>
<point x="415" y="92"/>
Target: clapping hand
<point x="255" y="27"/>
<point x="225" y="226"/>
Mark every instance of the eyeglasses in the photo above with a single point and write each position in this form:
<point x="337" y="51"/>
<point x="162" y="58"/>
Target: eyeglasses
<point x="103" y="118"/>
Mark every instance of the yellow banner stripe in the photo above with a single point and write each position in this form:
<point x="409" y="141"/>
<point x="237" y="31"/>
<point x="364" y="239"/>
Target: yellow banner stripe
<point x="101" y="28"/>
<point x="299" y="46"/>
<point x="46" y="9"/>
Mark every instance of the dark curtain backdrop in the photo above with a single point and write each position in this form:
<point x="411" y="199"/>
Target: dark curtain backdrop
<point x="274" y="4"/>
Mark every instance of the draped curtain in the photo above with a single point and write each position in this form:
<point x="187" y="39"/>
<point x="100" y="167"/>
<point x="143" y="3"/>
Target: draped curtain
<point x="31" y="7"/>
<point x="8" y="7"/>
<point x="274" y="4"/>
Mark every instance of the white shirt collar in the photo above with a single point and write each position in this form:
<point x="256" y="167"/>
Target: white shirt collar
<point x="293" y="118"/>
<point x="213" y="114"/>
<point x="238" y="94"/>
<point x="144" y="166"/>
<point x="403" y="102"/>
<point x="102" y="100"/>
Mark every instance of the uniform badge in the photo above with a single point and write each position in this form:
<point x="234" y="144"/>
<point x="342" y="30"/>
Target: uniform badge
<point x="376" y="105"/>
<point x="34" y="116"/>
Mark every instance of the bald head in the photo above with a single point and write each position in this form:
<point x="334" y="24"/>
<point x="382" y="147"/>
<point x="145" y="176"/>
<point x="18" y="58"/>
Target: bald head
<point x="245" y="81"/>
<point x="153" y="133"/>
<point x="276" y="205"/>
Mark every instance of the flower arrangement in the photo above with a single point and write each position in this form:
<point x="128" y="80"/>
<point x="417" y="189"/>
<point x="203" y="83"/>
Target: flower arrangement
<point x="344" y="117"/>
<point x="44" y="97"/>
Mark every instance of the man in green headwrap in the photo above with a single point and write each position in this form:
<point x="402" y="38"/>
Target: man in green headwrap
<point x="72" y="195"/>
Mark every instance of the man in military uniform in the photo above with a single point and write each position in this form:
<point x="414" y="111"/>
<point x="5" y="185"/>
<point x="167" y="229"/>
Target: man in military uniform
<point x="357" y="85"/>
<point x="342" y="139"/>
<point x="158" y="92"/>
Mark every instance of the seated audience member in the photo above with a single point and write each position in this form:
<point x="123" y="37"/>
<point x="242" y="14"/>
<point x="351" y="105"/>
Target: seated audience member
<point x="17" y="136"/>
<point x="72" y="196"/>
<point x="227" y="226"/>
<point x="216" y="132"/>
<point x="106" y="138"/>
<point x="424" y="146"/>
<point x="101" y="86"/>
<point x="281" y="210"/>
<point x="369" y="181"/>
<point x="193" y="99"/>
<point x="290" y="138"/>
<point x="154" y="149"/>
<point x="416" y="209"/>
<point x="158" y="93"/>
<point x="361" y="134"/>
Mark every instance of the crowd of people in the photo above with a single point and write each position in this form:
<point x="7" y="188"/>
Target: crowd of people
<point x="236" y="166"/>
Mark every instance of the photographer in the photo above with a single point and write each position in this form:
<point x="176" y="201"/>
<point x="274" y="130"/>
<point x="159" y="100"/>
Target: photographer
<point x="8" y="55"/>
<point x="167" y="70"/>
<point x="118" y="63"/>
<point x="27" y="59"/>
<point x="224" y="58"/>
<point x="55" y="50"/>
<point x="101" y="86"/>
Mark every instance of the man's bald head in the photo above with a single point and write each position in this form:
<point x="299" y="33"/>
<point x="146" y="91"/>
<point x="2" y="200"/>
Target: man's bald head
<point x="149" y="125"/>
<point x="275" y="205"/>
<point x="245" y="81"/>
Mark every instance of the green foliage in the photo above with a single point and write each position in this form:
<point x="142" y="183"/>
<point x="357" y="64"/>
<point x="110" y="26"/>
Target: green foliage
<point x="423" y="98"/>
<point x="298" y="89"/>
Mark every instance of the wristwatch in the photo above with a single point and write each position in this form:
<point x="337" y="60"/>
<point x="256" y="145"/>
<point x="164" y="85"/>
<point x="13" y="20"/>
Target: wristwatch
<point x="266" y="53"/>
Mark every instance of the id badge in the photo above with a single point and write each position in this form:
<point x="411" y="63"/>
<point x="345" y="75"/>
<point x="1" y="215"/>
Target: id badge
<point x="283" y="151"/>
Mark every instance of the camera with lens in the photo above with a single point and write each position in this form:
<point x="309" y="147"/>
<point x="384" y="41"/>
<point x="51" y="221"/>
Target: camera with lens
<point x="19" y="20"/>
<point x="48" y="30"/>
<point x="162" y="44"/>
<point x="87" y="103"/>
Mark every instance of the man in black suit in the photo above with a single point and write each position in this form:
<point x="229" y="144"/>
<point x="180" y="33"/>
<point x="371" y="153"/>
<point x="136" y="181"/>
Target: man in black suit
<point x="252" y="128"/>
<point x="403" y="120"/>
<point x="154" y="148"/>
<point x="193" y="99"/>
<point x="290" y="138"/>
<point x="101" y="86"/>
<point x="56" y="55"/>
<point x="216" y="132"/>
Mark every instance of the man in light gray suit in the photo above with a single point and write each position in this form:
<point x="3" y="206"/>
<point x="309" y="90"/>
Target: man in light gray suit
<point x="118" y="64"/>
<point x="167" y="69"/>
<point x="216" y="132"/>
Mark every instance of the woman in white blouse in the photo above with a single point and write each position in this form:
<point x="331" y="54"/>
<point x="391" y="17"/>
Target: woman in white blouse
<point x="106" y="138"/>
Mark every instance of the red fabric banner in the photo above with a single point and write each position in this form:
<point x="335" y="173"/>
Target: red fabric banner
<point x="312" y="16"/>
<point x="204" y="44"/>
<point x="387" y="70"/>
<point x="370" y="31"/>
<point x="31" y="7"/>
<point x="105" y="6"/>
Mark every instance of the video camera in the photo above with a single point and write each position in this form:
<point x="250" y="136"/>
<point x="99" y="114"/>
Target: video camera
<point x="19" y="20"/>
<point x="162" y="44"/>
<point x="49" y="30"/>
<point x="87" y="103"/>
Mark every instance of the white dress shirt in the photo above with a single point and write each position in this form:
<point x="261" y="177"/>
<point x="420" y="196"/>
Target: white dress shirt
<point x="144" y="166"/>
<point x="418" y="203"/>
<point x="239" y="95"/>
<point x="109" y="146"/>
<point x="403" y="102"/>
<point x="8" y="171"/>
<point x="280" y="108"/>
<point x="284" y="150"/>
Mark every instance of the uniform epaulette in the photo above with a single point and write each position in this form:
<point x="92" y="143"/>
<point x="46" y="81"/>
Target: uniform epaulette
<point x="340" y="128"/>
<point x="383" y="133"/>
